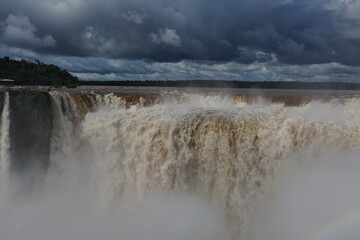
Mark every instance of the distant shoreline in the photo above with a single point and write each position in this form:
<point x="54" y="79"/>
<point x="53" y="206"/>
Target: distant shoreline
<point x="227" y="84"/>
<point x="151" y="90"/>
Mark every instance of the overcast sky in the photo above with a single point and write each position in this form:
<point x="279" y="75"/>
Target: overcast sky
<point x="251" y="40"/>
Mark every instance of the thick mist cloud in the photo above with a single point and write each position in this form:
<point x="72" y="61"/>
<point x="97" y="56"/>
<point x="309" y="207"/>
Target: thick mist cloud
<point x="296" y="32"/>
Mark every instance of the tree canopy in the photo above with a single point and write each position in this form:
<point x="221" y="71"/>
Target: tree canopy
<point x="25" y="72"/>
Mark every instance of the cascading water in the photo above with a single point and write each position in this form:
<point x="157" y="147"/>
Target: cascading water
<point x="215" y="146"/>
<point x="121" y="150"/>
<point x="5" y="144"/>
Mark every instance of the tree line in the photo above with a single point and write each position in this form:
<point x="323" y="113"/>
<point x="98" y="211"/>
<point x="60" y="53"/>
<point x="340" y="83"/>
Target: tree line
<point x="25" y="72"/>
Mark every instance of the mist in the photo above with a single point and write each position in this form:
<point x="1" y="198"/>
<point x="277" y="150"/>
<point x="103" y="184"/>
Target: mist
<point x="71" y="208"/>
<point x="318" y="199"/>
<point x="202" y="166"/>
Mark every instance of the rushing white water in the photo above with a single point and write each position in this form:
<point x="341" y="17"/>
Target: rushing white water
<point x="177" y="165"/>
<point x="215" y="146"/>
<point x="5" y="144"/>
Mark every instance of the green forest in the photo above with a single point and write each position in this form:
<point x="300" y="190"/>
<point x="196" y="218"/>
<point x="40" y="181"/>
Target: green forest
<point x="25" y="72"/>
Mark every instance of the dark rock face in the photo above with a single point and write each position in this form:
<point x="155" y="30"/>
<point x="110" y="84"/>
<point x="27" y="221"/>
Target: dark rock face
<point x="1" y="103"/>
<point x="30" y="131"/>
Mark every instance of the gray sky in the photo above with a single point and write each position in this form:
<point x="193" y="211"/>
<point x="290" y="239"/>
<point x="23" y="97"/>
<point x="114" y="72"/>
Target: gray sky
<point x="251" y="40"/>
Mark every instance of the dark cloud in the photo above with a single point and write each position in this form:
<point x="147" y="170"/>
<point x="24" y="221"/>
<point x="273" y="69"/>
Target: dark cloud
<point x="98" y="68"/>
<point x="18" y="30"/>
<point x="247" y="31"/>
<point x="256" y="40"/>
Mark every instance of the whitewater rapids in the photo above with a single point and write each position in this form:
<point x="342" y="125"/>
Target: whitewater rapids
<point x="219" y="148"/>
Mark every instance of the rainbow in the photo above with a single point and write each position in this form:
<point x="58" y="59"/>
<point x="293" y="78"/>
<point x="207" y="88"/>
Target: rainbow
<point x="335" y="226"/>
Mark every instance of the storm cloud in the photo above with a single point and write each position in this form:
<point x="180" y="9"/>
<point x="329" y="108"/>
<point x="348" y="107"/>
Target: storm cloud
<point x="19" y="31"/>
<point x="290" y="32"/>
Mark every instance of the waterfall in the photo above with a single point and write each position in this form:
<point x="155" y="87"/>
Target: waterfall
<point x="5" y="141"/>
<point x="112" y="152"/>
<point x="218" y="146"/>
